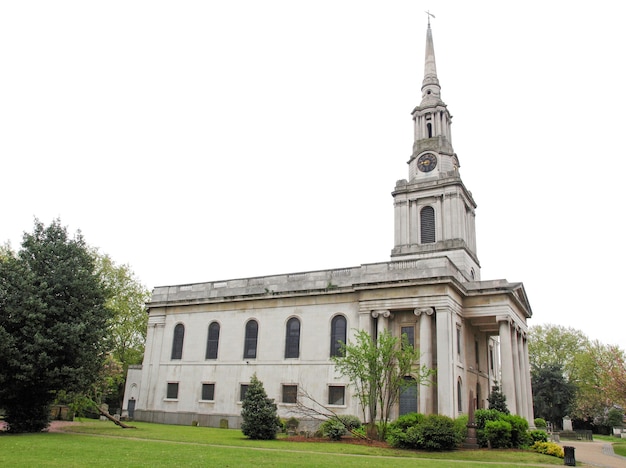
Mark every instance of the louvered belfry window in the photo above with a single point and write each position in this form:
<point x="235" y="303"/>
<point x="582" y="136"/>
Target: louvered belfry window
<point x="427" y="225"/>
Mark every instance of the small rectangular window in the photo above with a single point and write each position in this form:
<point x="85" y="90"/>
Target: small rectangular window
<point x="336" y="395"/>
<point x="172" y="390"/>
<point x="458" y="341"/>
<point x="290" y="393"/>
<point x="208" y="391"/>
<point x="242" y="391"/>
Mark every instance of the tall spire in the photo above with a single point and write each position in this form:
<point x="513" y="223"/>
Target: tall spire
<point x="431" y="91"/>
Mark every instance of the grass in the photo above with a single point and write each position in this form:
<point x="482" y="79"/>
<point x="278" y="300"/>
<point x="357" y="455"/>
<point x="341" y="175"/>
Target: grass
<point x="96" y="443"/>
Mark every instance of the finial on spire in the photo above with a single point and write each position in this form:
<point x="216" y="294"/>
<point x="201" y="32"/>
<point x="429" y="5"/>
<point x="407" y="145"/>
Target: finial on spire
<point x="429" y="15"/>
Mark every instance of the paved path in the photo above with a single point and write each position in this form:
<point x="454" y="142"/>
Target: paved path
<point x="596" y="453"/>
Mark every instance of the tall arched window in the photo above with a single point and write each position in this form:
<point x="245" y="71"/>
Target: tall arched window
<point x="177" y="344"/>
<point x="213" y="340"/>
<point x="249" y="347"/>
<point x="292" y="338"/>
<point x="427" y="225"/>
<point x="459" y="396"/>
<point x="338" y="328"/>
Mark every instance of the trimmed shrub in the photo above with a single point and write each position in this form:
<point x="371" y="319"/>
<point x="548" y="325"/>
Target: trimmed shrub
<point x="498" y="434"/>
<point x="482" y="417"/>
<point x="540" y="423"/>
<point x="416" y="431"/>
<point x="538" y="436"/>
<point x="350" y="422"/>
<point x="402" y="433"/>
<point x="519" y="430"/>
<point x="437" y="433"/>
<point x="548" y="448"/>
<point x="460" y="426"/>
<point x="333" y="429"/>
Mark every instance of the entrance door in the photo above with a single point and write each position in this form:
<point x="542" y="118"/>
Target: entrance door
<point x="408" y="397"/>
<point x="131" y="409"/>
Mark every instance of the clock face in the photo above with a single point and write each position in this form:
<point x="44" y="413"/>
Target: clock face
<point x="427" y="162"/>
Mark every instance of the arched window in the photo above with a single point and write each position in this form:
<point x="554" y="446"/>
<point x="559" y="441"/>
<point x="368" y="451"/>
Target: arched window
<point x="213" y="340"/>
<point x="177" y="345"/>
<point x="459" y="396"/>
<point x="292" y="338"/>
<point x="427" y="225"/>
<point x="408" y="397"/>
<point x="249" y="347"/>
<point x="338" y="328"/>
<point x="429" y="129"/>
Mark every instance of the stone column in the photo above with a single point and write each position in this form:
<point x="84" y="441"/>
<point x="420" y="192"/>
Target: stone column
<point x="445" y="362"/>
<point x="523" y="389"/>
<point x="507" y="383"/>
<point x="529" y="391"/>
<point x="426" y="357"/>
<point x="516" y="374"/>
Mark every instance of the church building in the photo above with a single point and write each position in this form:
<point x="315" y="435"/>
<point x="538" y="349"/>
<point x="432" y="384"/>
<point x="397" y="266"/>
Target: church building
<point x="206" y="340"/>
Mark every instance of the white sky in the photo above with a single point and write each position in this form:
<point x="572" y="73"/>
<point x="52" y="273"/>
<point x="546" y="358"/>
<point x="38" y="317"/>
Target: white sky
<point x="207" y="140"/>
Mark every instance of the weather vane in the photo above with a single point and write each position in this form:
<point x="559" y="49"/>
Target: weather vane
<point x="429" y="15"/>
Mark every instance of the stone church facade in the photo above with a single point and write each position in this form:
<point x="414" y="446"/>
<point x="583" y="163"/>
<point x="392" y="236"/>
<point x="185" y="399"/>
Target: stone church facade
<point x="206" y="340"/>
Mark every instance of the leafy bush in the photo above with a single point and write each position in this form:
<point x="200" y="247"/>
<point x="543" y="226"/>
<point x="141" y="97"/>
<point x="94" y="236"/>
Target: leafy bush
<point x="408" y="420"/>
<point x="460" y="426"/>
<point x="519" y="430"/>
<point x="540" y="423"/>
<point x="438" y="432"/>
<point x="538" y="436"/>
<point x="350" y="422"/>
<point x="482" y="417"/>
<point x="498" y="433"/>
<point x="333" y="429"/>
<point x="548" y="448"/>
<point x="416" y="431"/>
<point x="402" y="433"/>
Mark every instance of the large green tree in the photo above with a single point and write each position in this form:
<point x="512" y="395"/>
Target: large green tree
<point x="553" y="394"/>
<point x="52" y="321"/>
<point x="378" y="370"/>
<point x="593" y="370"/>
<point x="126" y="299"/>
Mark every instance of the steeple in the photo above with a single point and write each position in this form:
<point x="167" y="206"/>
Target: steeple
<point x="434" y="212"/>
<point x="431" y="91"/>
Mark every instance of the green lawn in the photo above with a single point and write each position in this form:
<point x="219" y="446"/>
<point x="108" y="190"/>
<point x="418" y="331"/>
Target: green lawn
<point x="95" y="443"/>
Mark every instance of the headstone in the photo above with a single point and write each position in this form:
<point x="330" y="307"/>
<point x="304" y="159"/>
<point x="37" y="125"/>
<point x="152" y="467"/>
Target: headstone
<point x="471" y="441"/>
<point x="567" y="424"/>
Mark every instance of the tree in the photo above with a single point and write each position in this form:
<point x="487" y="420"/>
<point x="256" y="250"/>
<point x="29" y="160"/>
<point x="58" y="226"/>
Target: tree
<point x="553" y="395"/>
<point x="497" y="400"/>
<point x="126" y="335"/>
<point x="258" y="412"/>
<point x="52" y="320"/>
<point x="555" y="344"/>
<point x="378" y="369"/>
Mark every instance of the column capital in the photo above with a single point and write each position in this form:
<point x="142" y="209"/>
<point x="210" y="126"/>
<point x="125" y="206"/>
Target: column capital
<point x="382" y="312"/>
<point x="426" y="311"/>
<point x="503" y="318"/>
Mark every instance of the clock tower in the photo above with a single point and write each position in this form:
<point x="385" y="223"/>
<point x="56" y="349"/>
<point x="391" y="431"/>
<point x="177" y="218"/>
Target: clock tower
<point x="433" y="211"/>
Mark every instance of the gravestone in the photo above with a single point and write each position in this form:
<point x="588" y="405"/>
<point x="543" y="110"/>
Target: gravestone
<point x="567" y="424"/>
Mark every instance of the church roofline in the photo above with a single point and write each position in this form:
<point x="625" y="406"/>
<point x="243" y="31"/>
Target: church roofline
<point x="373" y="276"/>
